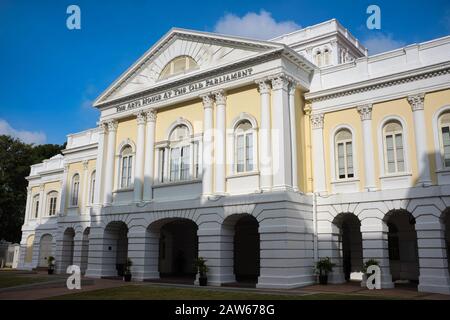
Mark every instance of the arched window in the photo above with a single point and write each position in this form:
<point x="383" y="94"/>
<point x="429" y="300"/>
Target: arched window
<point x="318" y="58"/>
<point x="344" y="154"/>
<point x="178" y="66"/>
<point x="180" y="153"/>
<point x="393" y="147"/>
<point x="52" y="199"/>
<point x="126" y="167"/>
<point x="444" y="130"/>
<point x="326" y="57"/>
<point x="75" y="190"/>
<point x="92" y="187"/>
<point x="243" y="147"/>
<point x="35" y="207"/>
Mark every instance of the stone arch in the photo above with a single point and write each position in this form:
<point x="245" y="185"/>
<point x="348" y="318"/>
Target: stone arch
<point x="115" y="248"/>
<point x="45" y="249"/>
<point x="29" y="249"/>
<point x="68" y="244"/>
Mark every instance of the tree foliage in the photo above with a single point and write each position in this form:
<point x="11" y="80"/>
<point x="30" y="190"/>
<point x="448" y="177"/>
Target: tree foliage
<point x="15" y="160"/>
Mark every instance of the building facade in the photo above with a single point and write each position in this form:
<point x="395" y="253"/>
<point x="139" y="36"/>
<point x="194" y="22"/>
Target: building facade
<point x="261" y="157"/>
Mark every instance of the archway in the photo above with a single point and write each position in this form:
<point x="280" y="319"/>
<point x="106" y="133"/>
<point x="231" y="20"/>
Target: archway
<point x="403" y="250"/>
<point x="67" y="248"/>
<point x="447" y="235"/>
<point x="115" y="249"/>
<point x="45" y="250"/>
<point x="351" y="251"/>
<point x="84" y="251"/>
<point x="242" y="231"/>
<point x="29" y="249"/>
<point x="178" y="249"/>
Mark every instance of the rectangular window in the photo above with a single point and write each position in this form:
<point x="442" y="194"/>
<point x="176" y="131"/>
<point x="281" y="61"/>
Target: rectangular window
<point x="341" y="160"/>
<point x="36" y="209"/>
<point x="130" y="167"/>
<point x="174" y="164"/>
<point x="349" y="154"/>
<point x="161" y="165"/>
<point x="249" y="151"/>
<point x="446" y="145"/>
<point x="240" y="153"/>
<point x="124" y="172"/>
<point x="196" y="162"/>
<point x="52" y="207"/>
<point x="185" y="162"/>
<point x="75" y="193"/>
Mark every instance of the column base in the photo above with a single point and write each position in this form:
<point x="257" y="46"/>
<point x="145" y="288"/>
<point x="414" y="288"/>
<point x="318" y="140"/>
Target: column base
<point x="290" y="282"/>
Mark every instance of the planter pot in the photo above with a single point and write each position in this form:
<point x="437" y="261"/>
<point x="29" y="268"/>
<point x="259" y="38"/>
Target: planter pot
<point x="323" y="279"/>
<point x="127" y="277"/>
<point x="203" y="281"/>
<point x="50" y="271"/>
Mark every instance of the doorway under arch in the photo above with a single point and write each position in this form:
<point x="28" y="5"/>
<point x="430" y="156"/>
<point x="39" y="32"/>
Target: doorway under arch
<point x="67" y="248"/>
<point x="351" y="250"/>
<point x="115" y="252"/>
<point x="45" y="249"/>
<point x="402" y="245"/>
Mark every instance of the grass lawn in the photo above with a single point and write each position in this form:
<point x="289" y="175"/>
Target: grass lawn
<point x="11" y="279"/>
<point x="147" y="292"/>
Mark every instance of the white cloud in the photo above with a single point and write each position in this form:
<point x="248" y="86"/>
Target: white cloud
<point x="25" y="136"/>
<point x="381" y="42"/>
<point x="254" y="25"/>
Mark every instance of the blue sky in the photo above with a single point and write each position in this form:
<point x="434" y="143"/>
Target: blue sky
<point x="50" y="75"/>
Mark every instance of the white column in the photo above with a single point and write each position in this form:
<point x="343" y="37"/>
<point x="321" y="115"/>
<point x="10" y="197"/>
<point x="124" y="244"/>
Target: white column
<point x="100" y="168"/>
<point x="41" y="200"/>
<point x="63" y="197"/>
<point x="149" y="156"/>
<point x="318" y="153"/>
<point x="265" y="139"/>
<point x="292" y="117"/>
<point x="139" y="162"/>
<point x="365" y="112"/>
<point x="28" y="205"/>
<point x="282" y="158"/>
<point x="84" y="192"/>
<point x="207" y="144"/>
<point x="110" y="156"/>
<point x="420" y="133"/>
<point x="219" y="140"/>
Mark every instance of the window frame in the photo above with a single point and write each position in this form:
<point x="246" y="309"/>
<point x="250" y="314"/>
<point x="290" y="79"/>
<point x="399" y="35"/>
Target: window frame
<point x="131" y="159"/>
<point x="394" y="142"/>
<point x="52" y="208"/>
<point x="35" y="206"/>
<point x="440" y="126"/>
<point x="75" y="191"/>
<point x="163" y="75"/>
<point x="244" y="135"/>
<point x="92" y="181"/>
<point x="336" y="155"/>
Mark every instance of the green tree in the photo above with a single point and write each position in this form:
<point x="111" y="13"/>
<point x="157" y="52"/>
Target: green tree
<point x="15" y="160"/>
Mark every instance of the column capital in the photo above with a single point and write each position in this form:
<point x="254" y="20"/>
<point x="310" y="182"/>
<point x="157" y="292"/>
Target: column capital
<point x="41" y="187"/>
<point x="101" y="127"/>
<point x="307" y="108"/>
<point x="140" y="117"/>
<point x="416" y="101"/>
<point x="207" y="100"/>
<point x="317" y="121"/>
<point x="263" y="86"/>
<point x="151" y="115"/>
<point x="112" y="125"/>
<point x="85" y="164"/>
<point x="220" y="96"/>
<point x="279" y="82"/>
<point x="365" y="111"/>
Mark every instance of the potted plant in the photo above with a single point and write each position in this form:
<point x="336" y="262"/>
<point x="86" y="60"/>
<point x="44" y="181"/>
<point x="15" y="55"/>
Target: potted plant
<point x="127" y="270"/>
<point x="366" y="265"/>
<point x="202" y="269"/>
<point x="51" y="264"/>
<point x="323" y="267"/>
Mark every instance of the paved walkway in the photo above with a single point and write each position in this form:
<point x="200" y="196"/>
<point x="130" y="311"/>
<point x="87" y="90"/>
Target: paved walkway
<point x="56" y="286"/>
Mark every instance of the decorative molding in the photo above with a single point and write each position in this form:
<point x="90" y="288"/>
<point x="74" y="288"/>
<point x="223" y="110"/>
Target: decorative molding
<point x="85" y="164"/>
<point x="280" y="82"/>
<point x="416" y="101"/>
<point x="102" y="127"/>
<point x="317" y="121"/>
<point x="389" y="83"/>
<point x="307" y="108"/>
<point x="365" y="111"/>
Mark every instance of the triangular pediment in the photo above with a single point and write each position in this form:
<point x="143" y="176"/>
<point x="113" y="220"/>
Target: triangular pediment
<point x="208" y="50"/>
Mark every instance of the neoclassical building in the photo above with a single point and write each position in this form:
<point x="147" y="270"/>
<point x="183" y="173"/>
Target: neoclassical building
<point x="261" y="157"/>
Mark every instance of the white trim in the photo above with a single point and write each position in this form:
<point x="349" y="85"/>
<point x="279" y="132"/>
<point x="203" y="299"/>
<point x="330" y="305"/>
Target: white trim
<point x="124" y="143"/>
<point x="71" y="205"/>
<point x="180" y="121"/>
<point x="47" y="203"/>
<point x="335" y="178"/>
<point x="381" y="154"/>
<point x="118" y="183"/>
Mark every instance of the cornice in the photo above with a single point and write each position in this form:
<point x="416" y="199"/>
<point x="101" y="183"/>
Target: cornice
<point x="381" y="82"/>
